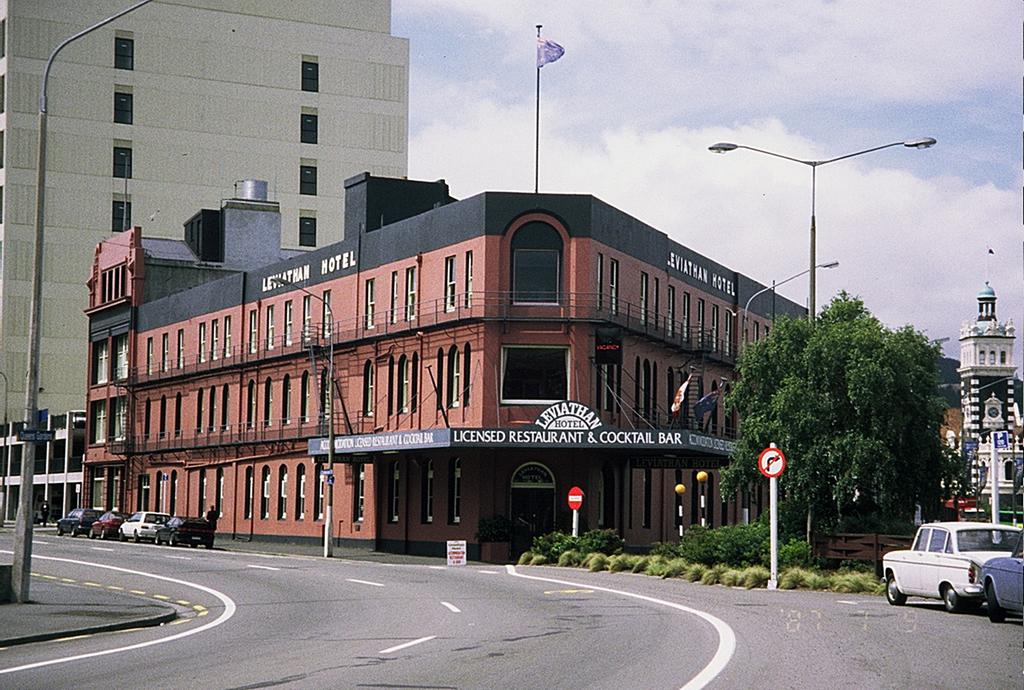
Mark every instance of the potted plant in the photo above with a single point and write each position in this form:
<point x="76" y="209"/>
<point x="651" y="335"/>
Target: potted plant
<point x="495" y="537"/>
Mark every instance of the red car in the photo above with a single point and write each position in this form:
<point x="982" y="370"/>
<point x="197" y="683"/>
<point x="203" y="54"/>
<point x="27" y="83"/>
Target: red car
<point x="107" y="526"/>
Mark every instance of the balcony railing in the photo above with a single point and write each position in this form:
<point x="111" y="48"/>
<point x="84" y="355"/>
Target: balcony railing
<point x="227" y="435"/>
<point x="477" y="306"/>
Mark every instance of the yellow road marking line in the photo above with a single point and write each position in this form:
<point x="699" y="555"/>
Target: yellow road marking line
<point x="202" y="613"/>
<point x="199" y="607"/>
<point x="180" y="621"/>
<point x="161" y="597"/>
<point x="67" y="579"/>
<point x="136" y="591"/>
<point x="183" y="602"/>
<point x="115" y="587"/>
<point x="92" y="584"/>
<point x="48" y="577"/>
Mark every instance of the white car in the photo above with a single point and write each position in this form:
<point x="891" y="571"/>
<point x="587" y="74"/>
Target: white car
<point x="945" y="563"/>
<point x="142" y="525"/>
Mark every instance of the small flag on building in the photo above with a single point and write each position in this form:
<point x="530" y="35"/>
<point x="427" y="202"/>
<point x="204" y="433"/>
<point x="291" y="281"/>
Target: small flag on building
<point x="548" y="51"/>
<point x="680" y="399"/>
<point x="705" y="404"/>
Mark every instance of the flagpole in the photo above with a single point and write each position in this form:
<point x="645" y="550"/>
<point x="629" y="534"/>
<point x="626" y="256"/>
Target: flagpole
<point x="536" y="137"/>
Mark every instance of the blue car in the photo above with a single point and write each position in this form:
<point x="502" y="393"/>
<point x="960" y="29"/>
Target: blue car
<point x="1004" y="583"/>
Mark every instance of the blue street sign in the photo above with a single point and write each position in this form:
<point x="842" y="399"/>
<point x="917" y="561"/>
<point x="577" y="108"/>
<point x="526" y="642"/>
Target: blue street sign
<point x="1002" y="439"/>
<point x="970" y="444"/>
<point x="35" y="435"/>
<point x="327" y="472"/>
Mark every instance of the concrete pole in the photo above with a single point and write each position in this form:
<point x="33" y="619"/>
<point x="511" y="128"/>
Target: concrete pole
<point x="773" y="517"/>
<point x="993" y="472"/>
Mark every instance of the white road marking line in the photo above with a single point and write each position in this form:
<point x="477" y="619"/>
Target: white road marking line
<point x="261" y="567"/>
<point x="843" y="601"/>
<point x="179" y="558"/>
<point x="726" y="636"/>
<point x="364" y="582"/>
<point x="44" y="543"/>
<point x="451" y="607"/>
<point x="437" y="567"/>
<point x="489" y="572"/>
<point x="100" y="548"/>
<point x="407" y="644"/>
<point x="226" y="614"/>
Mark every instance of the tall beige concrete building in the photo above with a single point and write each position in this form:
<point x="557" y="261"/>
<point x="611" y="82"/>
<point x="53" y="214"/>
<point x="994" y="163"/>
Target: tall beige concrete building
<point x="160" y="114"/>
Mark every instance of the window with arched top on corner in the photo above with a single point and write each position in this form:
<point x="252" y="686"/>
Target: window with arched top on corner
<point x="536" y="264"/>
<point x="172" y="504"/>
<point x="247" y="506"/>
<point x="304" y="398"/>
<point x="414" y="390"/>
<point x="286" y="399"/>
<point x="282" y="492"/>
<point x="268" y="401"/>
<point x="300" y="492"/>
<point x="466" y="357"/>
<point x="225" y="399"/>
<point x="403" y="384"/>
<point x="265" y="493"/>
<point x="454" y="396"/>
<point x="427" y="491"/>
<point x="250" y="408"/>
<point x="368" y="401"/>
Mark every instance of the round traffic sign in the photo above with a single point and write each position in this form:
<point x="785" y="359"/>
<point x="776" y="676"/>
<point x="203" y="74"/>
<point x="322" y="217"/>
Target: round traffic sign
<point x="575" y="498"/>
<point x="771" y="462"/>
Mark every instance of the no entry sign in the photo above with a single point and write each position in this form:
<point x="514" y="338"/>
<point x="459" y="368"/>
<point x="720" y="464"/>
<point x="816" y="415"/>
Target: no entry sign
<point x="575" y="498"/>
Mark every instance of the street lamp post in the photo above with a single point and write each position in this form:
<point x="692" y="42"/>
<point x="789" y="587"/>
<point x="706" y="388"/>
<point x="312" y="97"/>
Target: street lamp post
<point x="328" y="413"/>
<point x="4" y="463"/>
<point x="746" y="308"/>
<point x="725" y="147"/>
<point x="22" y="565"/>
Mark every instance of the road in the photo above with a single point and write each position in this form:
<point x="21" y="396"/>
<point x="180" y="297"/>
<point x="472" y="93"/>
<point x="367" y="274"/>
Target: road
<point x="254" y="621"/>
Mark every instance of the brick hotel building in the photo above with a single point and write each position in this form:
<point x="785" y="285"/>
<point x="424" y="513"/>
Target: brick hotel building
<point x="488" y="354"/>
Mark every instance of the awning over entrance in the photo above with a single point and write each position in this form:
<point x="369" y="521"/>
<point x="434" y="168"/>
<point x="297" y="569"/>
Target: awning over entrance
<point x="564" y="425"/>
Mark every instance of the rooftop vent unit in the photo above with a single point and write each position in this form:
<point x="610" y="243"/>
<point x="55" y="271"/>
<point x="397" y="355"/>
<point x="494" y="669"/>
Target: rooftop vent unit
<point x="251" y="190"/>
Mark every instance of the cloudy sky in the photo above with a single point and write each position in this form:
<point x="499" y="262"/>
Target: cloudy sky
<point x="646" y="86"/>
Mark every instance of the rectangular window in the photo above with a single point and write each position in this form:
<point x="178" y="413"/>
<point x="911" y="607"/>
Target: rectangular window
<point x="600" y="281"/>
<point x="227" y="337"/>
<point x="657" y="303"/>
<point x="449" y="283"/>
<point x="427" y="493"/>
<point x="455" y="491"/>
<point x="288" y="323"/>
<point x="120" y="357"/>
<point x="307" y="180"/>
<point x="670" y="316"/>
<point x="534" y="374"/>
<point x="368" y="305"/>
<point x="98" y="419"/>
<point x="714" y="327"/>
<point x="394" y="492"/>
<point x="686" y="315"/>
<point x="469" y="280"/>
<point x="122" y="107"/>
<point x="180" y="359"/>
<point x="536" y="276"/>
<point x="326" y="314"/>
<point x="643" y="298"/>
<point x="307" y="231"/>
<point x="613" y="286"/>
<point x="100" y="362"/>
<point x="410" y="293"/>
<point x="310" y="75"/>
<point x="307" y="319"/>
<point x="646" y="523"/>
<point x="700" y="320"/>
<point x="120" y="216"/>
<point x="149" y="355"/>
<point x="308" y="128"/>
<point x="253" y="333"/>
<point x="124" y="53"/>
<point x="165" y="351"/>
<point x="122" y="162"/>
<point x="360" y="492"/>
<point x="727" y="340"/>
<point x="393" y="306"/>
<point x="270" y="326"/>
<point x="215" y="339"/>
<point x="202" y="342"/>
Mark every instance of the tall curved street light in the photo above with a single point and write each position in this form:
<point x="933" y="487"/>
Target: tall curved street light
<point x="22" y="565"/>
<point x="725" y="147"/>
<point x="746" y="307"/>
<point x="328" y="413"/>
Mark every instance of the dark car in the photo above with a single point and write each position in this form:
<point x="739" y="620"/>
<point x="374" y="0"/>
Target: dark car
<point x="107" y="525"/>
<point x="186" y="530"/>
<point x="78" y="521"/>
<point x="1004" y="583"/>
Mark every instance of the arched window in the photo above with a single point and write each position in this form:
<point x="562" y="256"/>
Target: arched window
<point x="536" y="264"/>
<point x="173" y="503"/>
<point x="268" y="401"/>
<point x="177" y="415"/>
<point x="454" y="377"/>
<point x="300" y="492"/>
<point x="439" y="378"/>
<point x="282" y="492"/>
<point x="212" y="420"/>
<point x="368" y="402"/>
<point x="414" y="387"/>
<point x="286" y="400"/>
<point x="391" y="386"/>
<point x="1002" y="356"/>
<point x="224" y="407"/>
<point x="427" y="492"/>
<point x="394" y="490"/>
<point x="248" y="493"/>
<point x="265" y="493"/>
<point x="646" y="387"/>
<point x="1008" y="470"/>
<point x="403" y="384"/>
<point x="250" y="407"/>
<point x="202" y="493"/>
<point x="466" y="357"/>
<point x="304" y="398"/>
<point x="324" y="392"/>
<point x="637" y="390"/>
<point x="454" y="491"/>
<point x="714" y="413"/>
<point x="992" y="357"/>
<point x="199" y="411"/>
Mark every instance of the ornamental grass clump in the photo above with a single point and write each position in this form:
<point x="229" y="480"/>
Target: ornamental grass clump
<point x="695" y="571"/>
<point x="793" y="578"/>
<point x="755" y="576"/>
<point x="622" y="562"/>
<point x="731" y="578"/>
<point x="539" y="559"/>
<point x="674" y="568"/>
<point x="525" y="557"/>
<point x="570" y="559"/>
<point x="853" y="582"/>
<point x="816" y="581"/>
<point x="642" y="563"/>
<point x="598" y="562"/>
<point x="713" y="575"/>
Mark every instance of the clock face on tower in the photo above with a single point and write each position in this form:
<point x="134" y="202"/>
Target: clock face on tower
<point x="992" y="411"/>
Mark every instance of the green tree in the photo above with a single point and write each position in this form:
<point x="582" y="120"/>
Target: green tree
<point x="855" y="408"/>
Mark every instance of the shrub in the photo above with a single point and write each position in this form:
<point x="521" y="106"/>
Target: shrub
<point x="641" y="564"/>
<point x="755" y="576"/>
<point x="796" y="552"/>
<point x="606" y="541"/>
<point x="598" y="562"/>
<point x="494" y="529"/>
<point x="656" y="566"/>
<point x="695" y="571"/>
<point x="792" y="578"/>
<point x="853" y="582"/>
<point x="713" y="575"/>
<point x="539" y="559"/>
<point x="570" y="559"/>
<point x="674" y="568"/>
<point x="738" y="546"/>
<point x="665" y="549"/>
<point x="525" y="558"/>
<point x="554" y="544"/>
<point x="816" y="581"/>
<point x="621" y="562"/>
<point x="731" y="578"/>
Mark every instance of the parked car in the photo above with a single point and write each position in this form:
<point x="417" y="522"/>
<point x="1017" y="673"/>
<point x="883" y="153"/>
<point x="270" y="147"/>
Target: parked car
<point x="945" y="563"/>
<point x="78" y="521"/>
<point x="107" y="525"/>
<point x="142" y="525"/>
<point x="1003" y="579"/>
<point x="186" y="530"/>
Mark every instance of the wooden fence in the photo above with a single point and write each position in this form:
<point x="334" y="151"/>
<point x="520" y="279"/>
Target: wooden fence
<point x="859" y="547"/>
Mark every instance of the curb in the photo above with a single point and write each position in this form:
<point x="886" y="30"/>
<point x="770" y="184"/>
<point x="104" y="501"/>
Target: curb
<point x="148" y="622"/>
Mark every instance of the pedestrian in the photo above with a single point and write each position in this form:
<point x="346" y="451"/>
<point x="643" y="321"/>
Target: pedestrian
<point x="211" y="516"/>
<point x="45" y="510"/>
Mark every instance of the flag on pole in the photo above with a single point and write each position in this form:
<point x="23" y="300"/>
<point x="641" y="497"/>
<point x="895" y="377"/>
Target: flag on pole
<point x="705" y="404"/>
<point x="680" y="399"/>
<point x="547" y="51"/>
